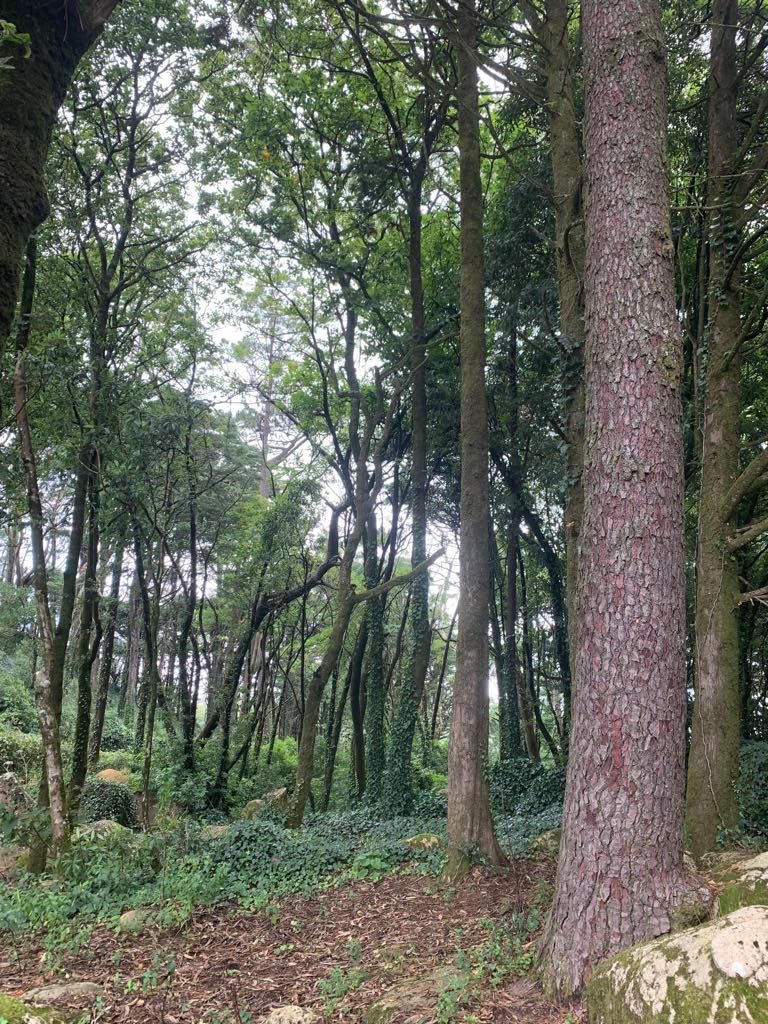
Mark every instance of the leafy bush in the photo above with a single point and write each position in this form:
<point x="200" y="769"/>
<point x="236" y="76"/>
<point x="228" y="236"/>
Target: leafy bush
<point x="546" y="790"/>
<point x="17" y="701"/>
<point x="117" y="735"/>
<point x="510" y="781"/>
<point x="107" y="800"/>
<point x="20" y="752"/>
<point x="753" y="788"/>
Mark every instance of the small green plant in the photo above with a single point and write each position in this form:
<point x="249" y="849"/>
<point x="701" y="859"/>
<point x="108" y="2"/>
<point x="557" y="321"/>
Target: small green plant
<point x="453" y="996"/>
<point x="337" y="985"/>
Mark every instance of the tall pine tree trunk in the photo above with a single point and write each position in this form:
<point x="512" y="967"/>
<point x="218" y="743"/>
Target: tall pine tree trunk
<point x="620" y="871"/>
<point x="469" y="814"/>
<point x="713" y="760"/>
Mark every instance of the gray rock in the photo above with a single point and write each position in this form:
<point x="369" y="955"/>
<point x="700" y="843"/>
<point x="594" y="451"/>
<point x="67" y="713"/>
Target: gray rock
<point x="716" y="972"/>
<point x="291" y="1015"/>
<point x="79" y="994"/>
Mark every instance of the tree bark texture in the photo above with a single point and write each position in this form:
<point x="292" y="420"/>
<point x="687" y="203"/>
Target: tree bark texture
<point x="31" y="93"/>
<point x="620" y="870"/>
<point x="470" y="827"/>
<point x="713" y="759"/>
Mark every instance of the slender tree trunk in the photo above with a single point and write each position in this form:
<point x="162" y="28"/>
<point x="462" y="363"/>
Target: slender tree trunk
<point x="88" y="645"/>
<point x="511" y="745"/>
<point x="374" y="710"/>
<point x="564" y="135"/>
<point x="107" y="654"/>
<point x="620" y="872"/>
<point x="47" y="698"/>
<point x="469" y="814"/>
<point x="713" y="760"/>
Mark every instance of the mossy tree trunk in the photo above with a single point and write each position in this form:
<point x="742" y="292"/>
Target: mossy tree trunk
<point x="31" y="92"/>
<point x="620" y="872"/>
<point x="470" y="826"/>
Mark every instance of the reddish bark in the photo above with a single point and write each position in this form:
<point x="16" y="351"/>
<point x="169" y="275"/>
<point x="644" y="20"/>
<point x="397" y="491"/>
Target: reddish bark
<point x="620" y="872"/>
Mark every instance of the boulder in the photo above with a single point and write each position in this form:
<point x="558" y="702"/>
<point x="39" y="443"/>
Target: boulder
<point x="113" y="775"/>
<point x="103" y="829"/>
<point x="132" y="921"/>
<point x="79" y="995"/>
<point x="253" y="809"/>
<point x="716" y="972"/>
<point x="290" y="1015"/>
<point x="15" y="1012"/>
<point x="745" y="884"/>
<point x="424" y="841"/>
<point x="13" y="794"/>
<point x="278" y="798"/>
<point x="416" y="1000"/>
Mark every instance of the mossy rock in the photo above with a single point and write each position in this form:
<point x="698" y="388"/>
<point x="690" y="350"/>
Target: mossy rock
<point x="424" y="841"/>
<point x="416" y="999"/>
<point x="745" y="884"/>
<point x="106" y="830"/>
<point x="252" y="809"/>
<point x="13" y="1011"/>
<point x="102" y="799"/>
<point x="715" y="973"/>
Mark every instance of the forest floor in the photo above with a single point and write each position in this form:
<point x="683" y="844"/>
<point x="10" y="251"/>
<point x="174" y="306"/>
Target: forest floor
<point x="337" y="953"/>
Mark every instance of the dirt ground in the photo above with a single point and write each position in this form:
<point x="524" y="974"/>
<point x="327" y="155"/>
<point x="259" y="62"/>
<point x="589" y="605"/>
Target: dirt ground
<point x="335" y="953"/>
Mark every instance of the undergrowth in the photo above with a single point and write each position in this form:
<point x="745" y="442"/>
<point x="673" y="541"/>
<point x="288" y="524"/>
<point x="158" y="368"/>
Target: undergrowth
<point x="254" y="863"/>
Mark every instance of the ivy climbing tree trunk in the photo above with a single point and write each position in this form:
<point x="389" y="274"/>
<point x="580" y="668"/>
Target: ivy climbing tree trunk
<point x="31" y="92"/>
<point x="470" y="825"/>
<point x="620" y="873"/>
<point x="713" y="759"/>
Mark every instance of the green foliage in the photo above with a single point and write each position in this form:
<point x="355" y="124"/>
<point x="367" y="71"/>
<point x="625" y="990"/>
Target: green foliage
<point x="102" y="800"/>
<point x="522" y="786"/>
<point x="337" y="985"/>
<point x="17" y="702"/>
<point x="20" y="752"/>
<point x="10" y="37"/>
<point x="753" y="789"/>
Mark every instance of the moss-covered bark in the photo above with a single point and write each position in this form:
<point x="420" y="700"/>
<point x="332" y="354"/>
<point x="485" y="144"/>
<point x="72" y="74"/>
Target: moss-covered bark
<point x="31" y="93"/>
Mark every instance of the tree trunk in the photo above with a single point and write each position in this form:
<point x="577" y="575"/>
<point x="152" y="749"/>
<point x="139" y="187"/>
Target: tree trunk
<point x="374" y="686"/>
<point x="107" y="654"/>
<point x="469" y="814"/>
<point x="713" y="759"/>
<point x="31" y="92"/>
<point x="569" y="255"/>
<point x="620" y="871"/>
<point x="47" y="698"/>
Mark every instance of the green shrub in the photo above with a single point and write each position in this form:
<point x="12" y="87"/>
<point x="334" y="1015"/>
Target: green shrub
<point x="508" y="780"/>
<point x="546" y="790"/>
<point x="753" y="788"/>
<point x="116" y="735"/>
<point x="20" y="752"/>
<point x="17" y="701"/>
<point x="107" y="800"/>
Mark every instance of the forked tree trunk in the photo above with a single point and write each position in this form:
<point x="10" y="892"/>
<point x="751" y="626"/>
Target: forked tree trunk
<point x="713" y="760"/>
<point x="620" y="872"/>
<point x="470" y="826"/>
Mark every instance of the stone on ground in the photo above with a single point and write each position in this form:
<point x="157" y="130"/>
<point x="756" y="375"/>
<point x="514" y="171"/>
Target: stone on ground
<point x="291" y="1015"/>
<point x="15" y="1012"/>
<point x="104" y="828"/>
<point x="74" y="994"/>
<point x="715" y="973"/>
<point x="424" y="841"/>
<point x="745" y="884"/>
<point x="414" y="1000"/>
<point x="252" y="809"/>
